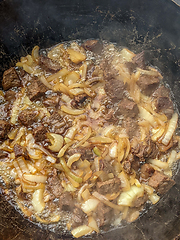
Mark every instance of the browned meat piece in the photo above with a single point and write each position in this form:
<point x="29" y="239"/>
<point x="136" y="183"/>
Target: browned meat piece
<point x="28" y="117"/>
<point x="148" y="84"/>
<point x="10" y="95"/>
<point x="127" y="108"/>
<point x="139" y="201"/>
<point x="36" y="89"/>
<point x="162" y="91"/>
<point x="48" y="64"/>
<point x="4" y="128"/>
<point x="106" y="166"/>
<point x="131" y="127"/>
<point x="3" y="155"/>
<point x="144" y="149"/>
<point x="39" y="133"/>
<point x="139" y="60"/>
<point x="130" y="66"/>
<point x="10" y="79"/>
<point x="165" y="105"/>
<point x="104" y="214"/>
<point x="115" y="88"/>
<point x="160" y="182"/>
<point x="86" y="153"/>
<point x="57" y="124"/>
<point x="146" y="171"/>
<point x="79" y="101"/>
<point x="109" y="186"/>
<point x="52" y="101"/>
<point x="93" y="45"/>
<point x="66" y="202"/>
<point x="54" y="185"/>
<point x="127" y="166"/>
<point x="78" y="218"/>
<point x="20" y="151"/>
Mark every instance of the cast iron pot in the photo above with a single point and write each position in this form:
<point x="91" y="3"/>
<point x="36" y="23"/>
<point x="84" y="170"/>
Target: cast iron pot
<point x="137" y="24"/>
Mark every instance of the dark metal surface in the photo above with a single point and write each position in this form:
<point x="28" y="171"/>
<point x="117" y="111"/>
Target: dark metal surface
<point x="141" y="24"/>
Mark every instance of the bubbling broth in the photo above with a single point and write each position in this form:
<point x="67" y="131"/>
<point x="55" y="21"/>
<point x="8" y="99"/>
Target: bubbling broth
<point x="88" y="135"/>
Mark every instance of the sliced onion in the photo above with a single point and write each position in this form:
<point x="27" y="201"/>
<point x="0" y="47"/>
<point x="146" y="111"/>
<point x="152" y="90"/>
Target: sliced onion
<point x="56" y="141"/>
<point x="51" y="159"/>
<point x="63" y="150"/>
<point x="113" y="150"/>
<point x="37" y="200"/>
<point x="75" y="157"/>
<point x="76" y="56"/>
<point x="154" y="198"/>
<point x="172" y="158"/>
<point x="81" y="231"/>
<point x="72" y="111"/>
<point x="35" y="178"/>
<point x="90" y="205"/>
<point x="85" y="138"/>
<point x="147" y="116"/>
<point x="158" y="163"/>
<point x="92" y="223"/>
<point x="22" y="165"/>
<point x="62" y="73"/>
<point x="124" y="181"/>
<point x="103" y="199"/>
<point x="81" y="190"/>
<point x="61" y="87"/>
<point x="171" y="128"/>
<point x="100" y="140"/>
<point x="35" y="53"/>
<point x="45" y="82"/>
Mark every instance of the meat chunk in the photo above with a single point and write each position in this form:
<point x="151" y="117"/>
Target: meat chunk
<point x="106" y="166"/>
<point x="115" y="88"/>
<point x="36" y="89"/>
<point x="144" y="149"/>
<point x="165" y="105"/>
<point x="3" y="154"/>
<point x="160" y="182"/>
<point x="139" y="201"/>
<point x="4" y="128"/>
<point x="139" y="60"/>
<point x="57" y="124"/>
<point x="54" y="184"/>
<point x="28" y="117"/>
<point x="48" y="64"/>
<point x="148" y="84"/>
<point x="39" y="133"/>
<point x="51" y="101"/>
<point x="10" y="95"/>
<point x="162" y="91"/>
<point x="127" y="108"/>
<point x="93" y="46"/>
<point x="78" y="218"/>
<point x="10" y="79"/>
<point x="20" y="151"/>
<point x="66" y="202"/>
<point x="109" y="186"/>
<point x="131" y="127"/>
<point x="146" y="171"/>
<point x="86" y="153"/>
<point x="127" y="166"/>
<point x="103" y="214"/>
<point x="79" y="101"/>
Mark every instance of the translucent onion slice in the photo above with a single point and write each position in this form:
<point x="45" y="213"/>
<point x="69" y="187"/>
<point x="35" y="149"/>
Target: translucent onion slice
<point x="81" y="231"/>
<point x="172" y="158"/>
<point x="56" y="141"/>
<point x="45" y="82"/>
<point x="100" y="140"/>
<point x="62" y="88"/>
<point x="144" y="114"/>
<point x="103" y="199"/>
<point x="113" y="150"/>
<point x="35" y="53"/>
<point x="37" y="200"/>
<point x="35" y="178"/>
<point x="76" y="56"/>
<point x="75" y="157"/>
<point x="62" y="73"/>
<point x="154" y="198"/>
<point x="158" y="163"/>
<point x="81" y="190"/>
<point x="72" y="111"/>
<point x="85" y="138"/>
<point x="92" y="223"/>
<point x="63" y="150"/>
<point x="22" y="164"/>
<point x="171" y="128"/>
<point x="90" y="205"/>
<point x="126" y="198"/>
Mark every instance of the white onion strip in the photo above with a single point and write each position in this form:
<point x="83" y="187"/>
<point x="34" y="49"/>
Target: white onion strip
<point x="171" y="128"/>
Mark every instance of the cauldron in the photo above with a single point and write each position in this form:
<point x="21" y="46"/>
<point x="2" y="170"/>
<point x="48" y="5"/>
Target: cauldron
<point x="153" y="26"/>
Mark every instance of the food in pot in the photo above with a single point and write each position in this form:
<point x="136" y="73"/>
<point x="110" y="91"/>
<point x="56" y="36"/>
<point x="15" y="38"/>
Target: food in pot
<point x="88" y="135"/>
